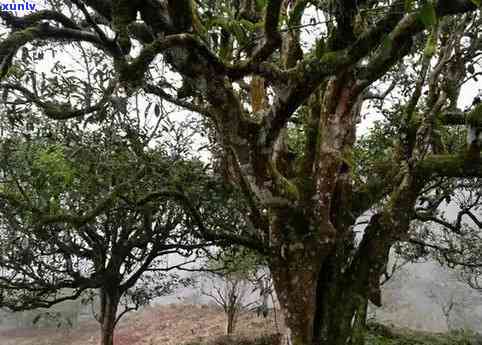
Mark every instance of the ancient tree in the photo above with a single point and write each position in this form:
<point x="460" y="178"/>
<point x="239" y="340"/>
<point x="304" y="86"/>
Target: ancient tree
<point x="281" y="108"/>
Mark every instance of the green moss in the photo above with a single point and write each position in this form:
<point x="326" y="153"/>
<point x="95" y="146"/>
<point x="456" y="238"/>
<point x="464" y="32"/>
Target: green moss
<point x="324" y="64"/>
<point x="461" y="165"/>
<point x="332" y="58"/>
<point x="320" y="47"/>
<point x="285" y="187"/>
<point x="474" y="118"/>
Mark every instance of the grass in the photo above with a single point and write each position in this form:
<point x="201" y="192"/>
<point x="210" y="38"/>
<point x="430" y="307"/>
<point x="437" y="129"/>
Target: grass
<point x="383" y="335"/>
<point x="377" y="334"/>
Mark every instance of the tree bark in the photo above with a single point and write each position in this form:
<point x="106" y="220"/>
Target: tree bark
<point x="231" y="322"/>
<point x="322" y="304"/>
<point x="295" y="273"/>
<point x="296" y="292"/>
<point x="340" y="306"/>
<point x="322" y="301"/>
<point x="109" y="302"/>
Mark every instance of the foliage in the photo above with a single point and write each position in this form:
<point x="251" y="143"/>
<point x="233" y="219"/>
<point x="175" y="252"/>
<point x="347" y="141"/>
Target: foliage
<point x="280" y="87"/>
<point x="75" y="216"/>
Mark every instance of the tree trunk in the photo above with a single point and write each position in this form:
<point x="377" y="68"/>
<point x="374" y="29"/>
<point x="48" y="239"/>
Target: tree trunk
<point x="296" y="292"/>
<point x="231" y="322"/>
<point x="109" y="302"/>
<point x="341" y="306"/>
<point x="322" y="287"/>
<point x="295" y="273"/>
<point x="322" y="307"/>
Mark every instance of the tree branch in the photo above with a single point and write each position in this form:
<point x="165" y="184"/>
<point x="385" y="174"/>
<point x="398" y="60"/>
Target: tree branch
<point x="62" y="111"/>
<point x="158" y="91"/>
<point x="449" y="166"/>
<point x="37" y="17"/>
<point x="44" y="31"/>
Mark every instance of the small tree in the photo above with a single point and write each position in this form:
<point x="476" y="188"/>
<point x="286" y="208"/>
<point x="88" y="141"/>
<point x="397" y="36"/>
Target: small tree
<point x="455" y="300"/>
<point x="74" y="217"/>
<point x="229" y="291"/>
<point x="230" y="283"/>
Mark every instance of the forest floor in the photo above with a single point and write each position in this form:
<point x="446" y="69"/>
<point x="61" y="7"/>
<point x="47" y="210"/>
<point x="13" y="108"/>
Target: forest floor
<point x="165" y="324"/>
<point x="181" y="324"/>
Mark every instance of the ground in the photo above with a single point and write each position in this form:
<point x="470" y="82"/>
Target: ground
<point x="183" y="324"/>
<point x="167" y="325"/>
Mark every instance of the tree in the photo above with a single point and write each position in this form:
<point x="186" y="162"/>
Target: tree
<point x="74" y="218"/>
<point x="230" y="277"/>
<point x="450" y="234"/>
<point x="457" y="302"/>
<point x="229" y="292"/>
<point x="281" y="112"/>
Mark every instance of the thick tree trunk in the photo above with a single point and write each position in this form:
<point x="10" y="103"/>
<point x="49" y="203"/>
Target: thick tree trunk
<point x="109" y="301"/>
<point x="295" y="272"/>
<point x="322" y="295"/>
<point x="322" y="308"/>
<point x="340" y="307"/>
<point x="297" y="296"/>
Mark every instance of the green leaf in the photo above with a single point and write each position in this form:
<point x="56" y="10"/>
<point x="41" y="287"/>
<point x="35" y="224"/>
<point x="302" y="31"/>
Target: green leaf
<point x="238" y="32"/>
<point x="409" y="5"/>
<point x="477" y="2"/>
<point x="427" y="14"/>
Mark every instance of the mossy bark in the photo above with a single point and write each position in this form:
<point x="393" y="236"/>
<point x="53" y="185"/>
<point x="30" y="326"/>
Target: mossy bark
<point x="321" y="303"/>
<point x="322" y="299"/>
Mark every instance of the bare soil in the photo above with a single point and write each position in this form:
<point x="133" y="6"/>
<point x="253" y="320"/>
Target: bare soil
<point x="167" y="324"/>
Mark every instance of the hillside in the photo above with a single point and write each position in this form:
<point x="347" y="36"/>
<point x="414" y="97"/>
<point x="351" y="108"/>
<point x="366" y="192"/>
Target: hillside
<point x="183" y="324"/>
<point x="167" y="325"/>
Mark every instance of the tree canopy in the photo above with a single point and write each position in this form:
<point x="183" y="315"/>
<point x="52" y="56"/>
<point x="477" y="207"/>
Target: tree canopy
<point x="280" y="87"/>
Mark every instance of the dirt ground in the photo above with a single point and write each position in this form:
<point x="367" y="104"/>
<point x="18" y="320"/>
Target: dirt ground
<point x="167" y="325"/>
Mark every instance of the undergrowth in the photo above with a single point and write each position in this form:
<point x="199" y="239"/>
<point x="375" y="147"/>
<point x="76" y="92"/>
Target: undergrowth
<point x="377" y="334"/>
